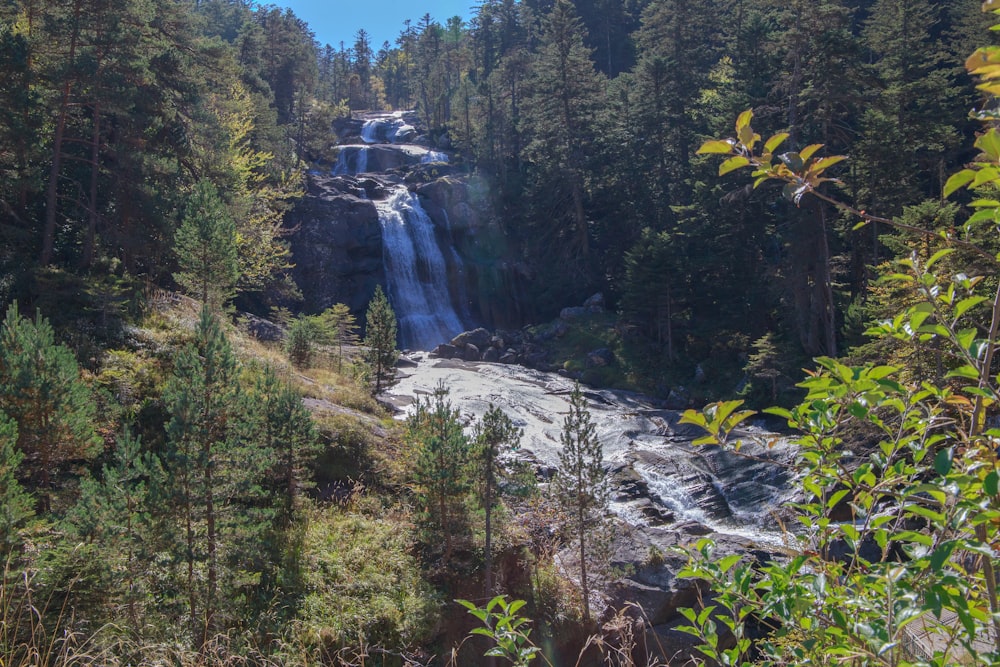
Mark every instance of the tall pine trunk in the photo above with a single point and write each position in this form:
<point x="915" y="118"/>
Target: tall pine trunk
<point x="52" y="190"/>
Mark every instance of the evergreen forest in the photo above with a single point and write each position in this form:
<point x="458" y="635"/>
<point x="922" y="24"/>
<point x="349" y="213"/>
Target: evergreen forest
<point x="195" y="470"/>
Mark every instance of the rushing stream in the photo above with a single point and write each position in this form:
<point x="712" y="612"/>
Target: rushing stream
<point x="727" y="493"/>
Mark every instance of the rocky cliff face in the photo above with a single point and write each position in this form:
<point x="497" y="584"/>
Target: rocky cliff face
<point x="337" y="242"/>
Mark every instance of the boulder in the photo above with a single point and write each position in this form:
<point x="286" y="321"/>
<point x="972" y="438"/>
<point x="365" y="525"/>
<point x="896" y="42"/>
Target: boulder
<point x="480" y="337"/>
<point x="262" y="329"/>
<point x="572" y="313"/>
<point x="492" y="355"/>
<point x="405" y="362"/>
<point x="444" y="351"/>
<point x="595" y="304"/>
<point x="600" y="358"/>
<point x="471" y="352"/>
<point x="677" y="399"/>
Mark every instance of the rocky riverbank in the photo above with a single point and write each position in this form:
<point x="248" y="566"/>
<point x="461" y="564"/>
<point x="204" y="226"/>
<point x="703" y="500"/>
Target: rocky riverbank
<point x="667" y="493"/>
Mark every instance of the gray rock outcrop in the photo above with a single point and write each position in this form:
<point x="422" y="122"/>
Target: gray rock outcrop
<point x="337" y="243"/>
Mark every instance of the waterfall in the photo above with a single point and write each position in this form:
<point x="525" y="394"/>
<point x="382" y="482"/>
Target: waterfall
<point x="416" y="273"/>
<point x="369" y="131"/>
<point x="348" y="154"/>
<point x="434" y="156"/>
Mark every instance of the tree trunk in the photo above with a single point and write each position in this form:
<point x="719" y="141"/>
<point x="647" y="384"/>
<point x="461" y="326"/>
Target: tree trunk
<point x="583" y="562"/>
<point x="95" y="150"/>
<point x="211" y="539"/>
<point x="489" y="527"/>
<point x="52" y="190"/>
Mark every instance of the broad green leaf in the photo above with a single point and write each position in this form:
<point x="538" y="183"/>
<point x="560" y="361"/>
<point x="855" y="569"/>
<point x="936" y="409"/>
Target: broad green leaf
<point x="913" y="536"/>
<point x="958" y="180"/>
<point x="964" y="305"/>
<point x="944" y="252"/>
<point x="716" y="146"/>
<point x="879" y="372"/>
<point x="983" y="215"/>
<point x="726" y="563"/>
<point x="927" y="513"/>
<point x="792" y="160"/>
<point x="991" y="485"/>
<point x="941" y="554"/>
<point x="693" y="417"/>
<point x="984" y="176"/>
<point x="825" y="162"/>
<point x="743" y="120"/>
<point x="989" y="143"/>
<point x="810" y="150"/>
<point x="966" y="371"/>
<point x="772" y="143"/>
<point x="733" y="164"/>
<point x="942" y="461"/>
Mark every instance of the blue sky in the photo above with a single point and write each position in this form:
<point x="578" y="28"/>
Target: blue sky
<point x="334" y="21"/>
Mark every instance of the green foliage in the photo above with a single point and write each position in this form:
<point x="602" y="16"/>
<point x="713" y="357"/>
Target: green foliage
<point x="339" y="327"/>
<point x="205" y="245"/>
<point x="768" y="371"/>
<point x="493" y="436"/>
<point x="580" y="485"/>
<point x="441" y="452"/>
<point x="41" y="390"/>
<point x="201" y="398"/>
<point x="506" y="627"/>
<point x="380" y="339"/>
<point x="300" y="341"/>
<point x="279" y="442"/>
<point x="16" y="504"/>
<point x="115" y="511"/>
<point x="910" y="578"/>
<point x="335" y="326"/>
<point x="363" y="585"/>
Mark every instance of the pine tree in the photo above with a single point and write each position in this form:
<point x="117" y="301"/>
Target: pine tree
<point x="16" y="504"/>
<point x="442" y="452"/>
<point x="494" y="435"/>
<point x="201" y="398"/>
<point x="380" y="339"/>
<point x="41" y="390"/>
<point x="581" y="484"/>
<point x="114" y="512"/>
<point x="280" y="433"/>
<point x="345" y="329"/>
<point x="299" y="342"/>
<point x="679" y="48"/>
<point x="206" y="247"/>
<point x="559" y="117"/>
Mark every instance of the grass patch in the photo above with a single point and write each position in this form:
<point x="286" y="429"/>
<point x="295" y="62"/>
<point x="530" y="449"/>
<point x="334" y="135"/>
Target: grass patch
<point x="364" y="586"/>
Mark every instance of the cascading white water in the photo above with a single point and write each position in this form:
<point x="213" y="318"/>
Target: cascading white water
<point x="416" y="273"/>
<point x="434" y="156"/>
<point x="369" y="131"/>
<point x="351" y="160"/>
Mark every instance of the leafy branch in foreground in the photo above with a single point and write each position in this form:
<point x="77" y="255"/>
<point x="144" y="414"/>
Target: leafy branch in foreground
<point x="804" y="172"/>
<point x="503" y="624"/>
<point x="894" y="560"/>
